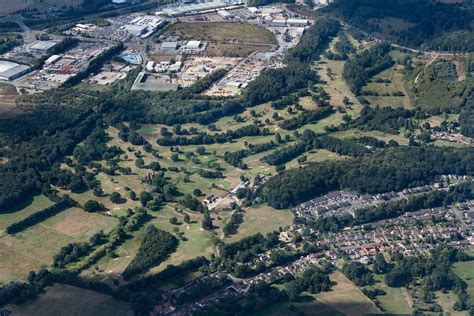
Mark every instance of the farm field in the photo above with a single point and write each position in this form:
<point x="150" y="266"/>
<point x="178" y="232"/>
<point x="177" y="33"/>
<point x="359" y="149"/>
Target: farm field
<point x="68" y="300"/>
<point x="8" y="96"/>
<point x="347" y="298"/>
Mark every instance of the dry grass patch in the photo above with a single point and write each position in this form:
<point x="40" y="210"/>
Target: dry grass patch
<point x="347" y="298"/>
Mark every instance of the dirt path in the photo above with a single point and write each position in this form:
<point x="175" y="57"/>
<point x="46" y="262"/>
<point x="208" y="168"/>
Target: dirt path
<point x="459" y="70"/>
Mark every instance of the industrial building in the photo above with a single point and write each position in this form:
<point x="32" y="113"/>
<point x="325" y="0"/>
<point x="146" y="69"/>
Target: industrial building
<point x="11" y="71"/>
<point x="297" y="22"/>
<point x="194" y="8"/>
<point x="42" y="45"/>
<point x="225" y="14"/>
<point x="169" y="46"/>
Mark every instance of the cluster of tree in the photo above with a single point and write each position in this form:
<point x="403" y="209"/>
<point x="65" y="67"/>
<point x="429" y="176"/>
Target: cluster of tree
<point x="205" y="83"/>
<point x="313" y="280"/>
<point x="314" y="41"/>
<point x="392" y="169"/>
<point x="272" y="84"/>
<point x="73" y="251"/>
<point x="192" y="203"/>
<point x="155" y="247"/>
<point x="435" y="272"/>
<point x="434" y="25"/>
<point x="360" y="68"/>
<point x="245" y="249"/>
<point x="370" y="141"/>
<point x="260" y="296"/>
<point x="38" y="217"/>
<point x="386" y="119"/>
<point x="234" y="222"/>
<point x="200" y="290"/>
<point x="234" y="158"/>
<point x="7" y="43"/>
<point x="358" y="273"/>
<point x="311" y="141"/>
<point x="7" y="27"/>
<point x="466" y="122"/>
<point x="343" y="48"/>
<point x="204" y="138"/>
<point x="306" y="117"/>
<point x="170" y="272"/>
<point x="210" y="174"/>
<point x="339" y="146"/>
<point x="285" y="154"/>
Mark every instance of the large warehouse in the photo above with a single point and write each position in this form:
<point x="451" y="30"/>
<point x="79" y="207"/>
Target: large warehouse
<point x="10" y="70"/>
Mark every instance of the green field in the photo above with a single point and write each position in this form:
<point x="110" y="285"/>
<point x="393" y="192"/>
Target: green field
<point x="68" y="300"/>
<point x="465" y="270"/>
<point x="31" y="206"/>
<point x="347" y="298"/>
<point x="35" y="247"/>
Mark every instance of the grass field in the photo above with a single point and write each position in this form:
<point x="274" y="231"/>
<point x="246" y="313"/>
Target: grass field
<point x="263" y="219"/>
<point x="396" y="301"/>
<point x="347" y="298"/>
<point x="68" y="300"/>
<point x="397" y="84"/>
<point x="225" y="39"/>
<point x="36" y="246"/>
<point x="198" y="243"/>
<point x="32" y="205"/>
<point x="400" y="138"/>
<point x="465" y="270"/>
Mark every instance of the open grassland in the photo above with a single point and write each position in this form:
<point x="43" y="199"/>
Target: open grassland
<point x="400" y="138"/>
<point x="8" y="96"/>
<point x="347" y="298"/>
<point x="446" y="301"/>
<point x="68" y="300"/>
<point x="396" y="301"/>
<point x="36" y="246"/>
<point x="465" y="270"/>
<point x="263" y="219"/>
<point x="198" y="243"/>
<point x="225" y="39"/>
<point x="394" y="82"/>
<point x="30" y="206"/>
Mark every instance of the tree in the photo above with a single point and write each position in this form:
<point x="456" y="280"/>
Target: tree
<point x="207" y="221"/>
<point x="145" y="197"/>
<point x="93" y="206"/>
<point x="139" y="163"/>
<point x="116" y="198"/>
<point x="186" y="218"/>
<point x="174" y="221"/>
<point x="197" y="192"/>
<point x="380" y="265"/>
